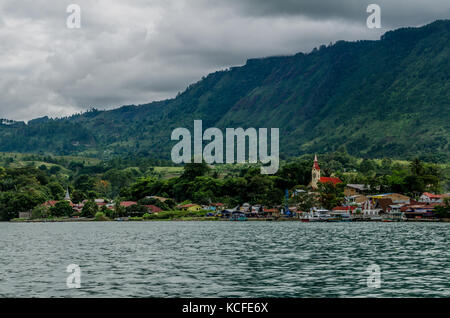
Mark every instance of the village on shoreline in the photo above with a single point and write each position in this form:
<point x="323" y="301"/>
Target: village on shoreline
<point x="361" y="204"/>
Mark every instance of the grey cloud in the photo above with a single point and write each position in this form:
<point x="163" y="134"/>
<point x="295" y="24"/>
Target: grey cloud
<point x="395" y="13"/>
<point x="137" y="51"/>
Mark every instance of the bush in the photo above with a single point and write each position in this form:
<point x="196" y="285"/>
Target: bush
<point x="40" y="212"/>
<point x="100" y="216"/>
<point x="90" y="209"/>
<point x="61" y="208"/>
<point x="146" y="216"/>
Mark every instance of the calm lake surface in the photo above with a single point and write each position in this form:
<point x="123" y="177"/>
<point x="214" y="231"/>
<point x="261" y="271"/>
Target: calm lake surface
<point x="225" y="259"/>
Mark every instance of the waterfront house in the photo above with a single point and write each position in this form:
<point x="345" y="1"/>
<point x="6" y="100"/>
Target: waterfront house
<point x="355" y="199"/>
<point x="395" y="197"/>
<point x="271" y="212"/>
<point x="245" y="207"/>
<point x="419" y="211"/>
<point x="153" y="208"/>
<point x="356" y="189"/>
<point x="431" y="198"/>
<point x="190" y="207"/>
<point x="369" y="211"/>
<point x="25" y="215"/>
<point x="384" y="204"/>
<point x="215" y="207"/>
<point x="127" y="204"/>
<point x="344" y="210"/>
<point x="50" y="203"/>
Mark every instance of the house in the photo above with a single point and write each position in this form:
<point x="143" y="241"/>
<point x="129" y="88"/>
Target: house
<point x="25" y="215"/>
<point x="344" y="210"/>
<point x="419" y="211"/>
<point x="356" y="199"/>
<point x="317" y="179"/>
<point x="127" y="204"/>
<point x="355" y="189"/>
<point x="384" y="204"/>
<point x="50" y="203"/>
<point x="245" y="207"/>
<point x="395" y="197"/>
<point x="215" y="207"/>
<point x="271" y="212"/>
<point x="370" y="211"/>
<point x="297" y="192"/>
<point x="153" y="208"/>
<point x="431" y="198"/>
<point x="190" y="207"/>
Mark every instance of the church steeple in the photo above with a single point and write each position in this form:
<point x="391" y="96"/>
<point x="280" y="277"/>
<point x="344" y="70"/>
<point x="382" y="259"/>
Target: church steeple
<point x="315" y="173"/>
<point x="67" y="196"/>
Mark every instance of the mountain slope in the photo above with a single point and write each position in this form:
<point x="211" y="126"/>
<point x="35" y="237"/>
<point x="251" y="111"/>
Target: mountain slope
<point x="378" y="98"/>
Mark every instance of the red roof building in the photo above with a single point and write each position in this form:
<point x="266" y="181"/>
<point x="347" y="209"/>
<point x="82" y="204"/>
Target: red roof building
<point x="345" y="208"/>
<point x="50" y="203"/>
<point x="127" y="203"/>
<point x="332" y="180"/>
<point x="153" y="208"/>
<point x="316" y="178"/>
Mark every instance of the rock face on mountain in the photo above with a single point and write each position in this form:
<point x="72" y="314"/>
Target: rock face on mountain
<point x="389" y="97"/>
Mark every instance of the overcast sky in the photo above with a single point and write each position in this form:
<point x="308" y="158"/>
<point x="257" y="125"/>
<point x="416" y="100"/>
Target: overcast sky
<point x="137" y="51"/>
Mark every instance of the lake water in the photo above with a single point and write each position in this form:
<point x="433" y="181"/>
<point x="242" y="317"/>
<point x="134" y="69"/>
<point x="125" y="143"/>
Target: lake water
<point x="225" y="259"/>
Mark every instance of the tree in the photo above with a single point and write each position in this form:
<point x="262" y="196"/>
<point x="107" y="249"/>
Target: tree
<point x="367" y="166"/>
<point x="331" y="195"/>
<point x="305" y="201"/>
<point x="417" y="168"/>
<point x="77" y="196"/>
<point x="84" y="183"/>
<point x="56" y="190"/>
<point x="443" y="211"/>
<point x="193" y="170"/>
<point x="40" y="212"/>
<point x="61" y="208"/>
<point x="119" y="210"/>
<point x="89" y="210"/>
<point x="54" y="169"/>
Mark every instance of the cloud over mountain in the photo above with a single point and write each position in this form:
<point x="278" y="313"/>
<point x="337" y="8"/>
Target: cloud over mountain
<point x="140" y="51"/>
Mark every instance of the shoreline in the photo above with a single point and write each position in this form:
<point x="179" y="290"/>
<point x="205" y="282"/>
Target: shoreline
<point x="82" y="220"/>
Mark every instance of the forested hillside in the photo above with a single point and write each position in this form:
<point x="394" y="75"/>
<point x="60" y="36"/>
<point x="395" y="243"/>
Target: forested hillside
<point x="386" y="98"/>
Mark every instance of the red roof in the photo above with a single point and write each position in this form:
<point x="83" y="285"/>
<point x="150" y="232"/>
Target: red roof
<point x="50" y="203"/>
<point x="344" y="208"/>
<point x="217" y="204"/>
<point x="153" y="208"/>
<point x="330" y="179"/>
<point x="432" y="196"/>
<point x="127" y="203"/>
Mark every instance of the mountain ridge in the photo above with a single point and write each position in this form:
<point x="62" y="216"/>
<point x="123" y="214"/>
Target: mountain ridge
<point x="387" y="97"/>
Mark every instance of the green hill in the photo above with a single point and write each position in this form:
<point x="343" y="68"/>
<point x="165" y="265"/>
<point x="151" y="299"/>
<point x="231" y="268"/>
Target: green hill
<point x="389" y="97"/>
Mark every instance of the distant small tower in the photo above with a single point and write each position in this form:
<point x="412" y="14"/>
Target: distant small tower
<point x="315" y="174"/>
<point x="67" y="196"/>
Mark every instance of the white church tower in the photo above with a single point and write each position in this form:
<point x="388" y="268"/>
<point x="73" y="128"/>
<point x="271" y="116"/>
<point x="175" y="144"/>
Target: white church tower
<point x="315" y="174"/>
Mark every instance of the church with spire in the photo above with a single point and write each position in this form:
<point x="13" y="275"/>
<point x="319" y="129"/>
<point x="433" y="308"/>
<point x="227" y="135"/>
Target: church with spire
<point x="316" y="179"/>
<point x="67" y="196"/>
